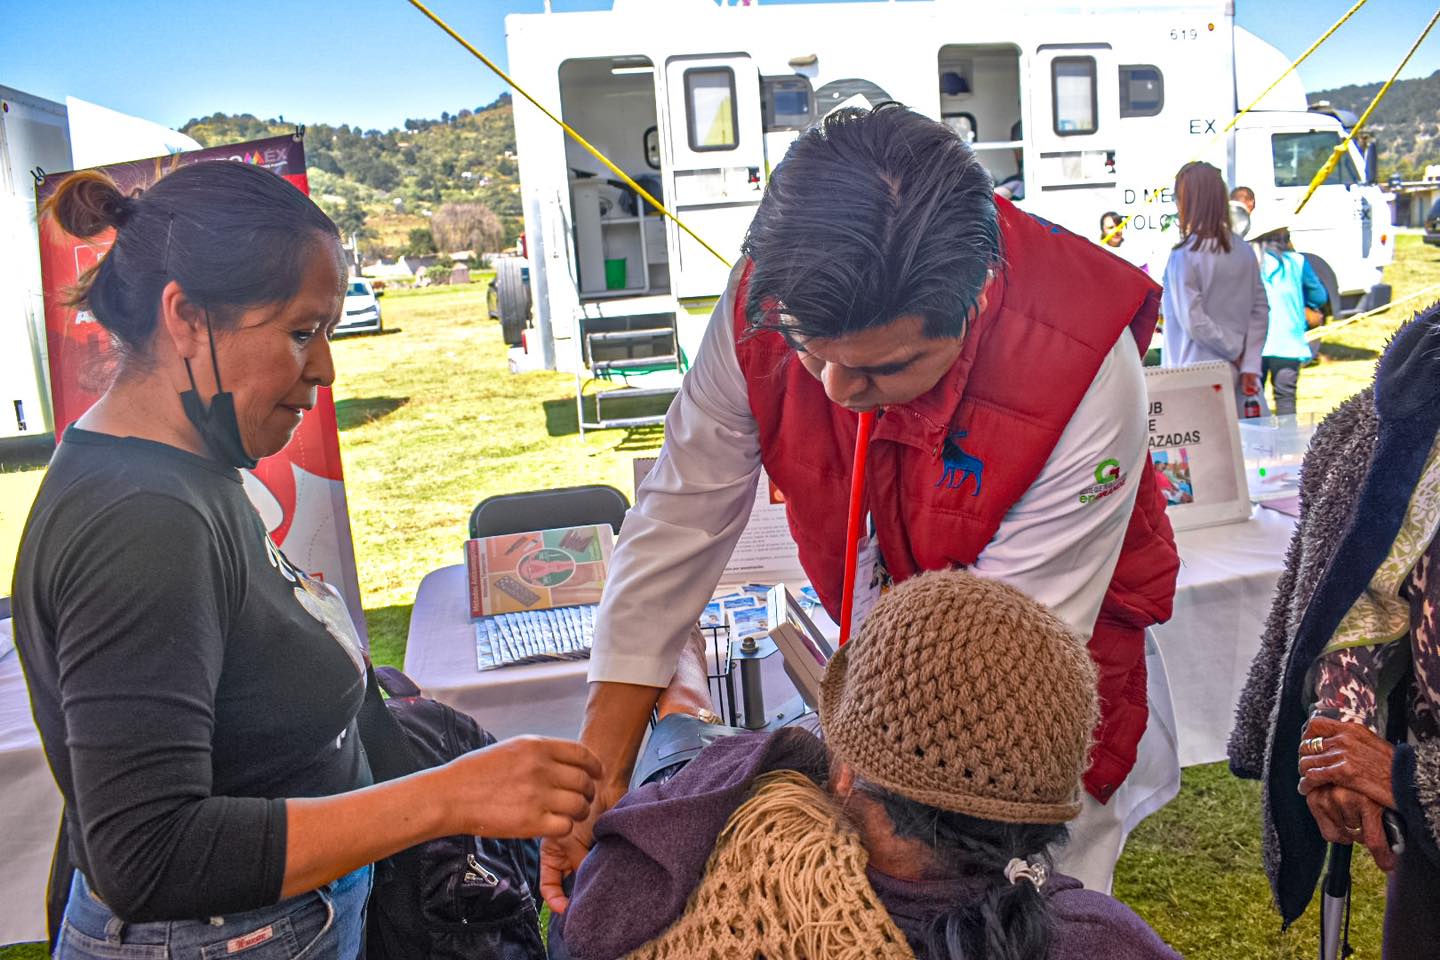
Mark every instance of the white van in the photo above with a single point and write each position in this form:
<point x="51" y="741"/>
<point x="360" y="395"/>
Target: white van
<point x="1108" y="99"/>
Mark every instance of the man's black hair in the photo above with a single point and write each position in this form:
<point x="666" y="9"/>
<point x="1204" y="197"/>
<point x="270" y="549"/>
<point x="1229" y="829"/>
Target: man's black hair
<point x="872" y="215"/>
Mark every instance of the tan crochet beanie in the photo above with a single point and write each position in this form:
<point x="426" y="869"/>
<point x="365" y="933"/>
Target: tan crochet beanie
<point x="964" y="694"/>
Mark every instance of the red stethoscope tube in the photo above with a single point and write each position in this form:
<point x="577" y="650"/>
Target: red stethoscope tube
<point x="856" y="523"/>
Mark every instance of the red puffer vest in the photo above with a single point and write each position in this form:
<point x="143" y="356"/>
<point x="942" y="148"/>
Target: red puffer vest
<point x="1053" y="315"/>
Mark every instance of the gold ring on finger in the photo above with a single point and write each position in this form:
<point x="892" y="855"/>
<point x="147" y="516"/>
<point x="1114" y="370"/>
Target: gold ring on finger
<point x="1312" y="746"/>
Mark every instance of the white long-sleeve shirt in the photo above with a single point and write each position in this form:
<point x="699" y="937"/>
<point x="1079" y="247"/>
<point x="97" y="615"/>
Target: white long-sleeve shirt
<point x="1053" y="545"/>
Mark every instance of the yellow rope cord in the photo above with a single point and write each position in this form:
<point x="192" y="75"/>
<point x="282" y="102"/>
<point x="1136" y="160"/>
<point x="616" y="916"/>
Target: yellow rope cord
<point x="571" y="131"/>
<point x="1150" y="195"/>
<point x="1339" y="151"/>
<point x="1320" y="333"/>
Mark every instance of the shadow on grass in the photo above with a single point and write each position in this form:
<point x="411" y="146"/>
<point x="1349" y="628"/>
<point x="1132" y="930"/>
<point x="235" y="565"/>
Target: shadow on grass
<point x="560" y="418"/>
<point x="1339" y="351"/>
<point x="359" y="411"/>
<point x="639" y="439"/>
<point x="26" y="453"/>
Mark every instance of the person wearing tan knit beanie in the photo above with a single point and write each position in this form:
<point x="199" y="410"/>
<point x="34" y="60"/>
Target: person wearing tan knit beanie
<point x="964" y="694"/>
<point x="956" y="731"/>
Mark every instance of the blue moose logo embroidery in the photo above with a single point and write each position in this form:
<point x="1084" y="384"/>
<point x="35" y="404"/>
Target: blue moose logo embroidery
<point x="959" y="465"/>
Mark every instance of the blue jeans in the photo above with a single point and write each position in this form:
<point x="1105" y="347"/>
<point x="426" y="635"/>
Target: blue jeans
<point x="320" y="925"/>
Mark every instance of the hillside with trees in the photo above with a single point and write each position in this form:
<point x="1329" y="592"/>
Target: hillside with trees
<point x="451" y="184"/>
<point x="431" y="184"/>
<point x="1406" y="125"/>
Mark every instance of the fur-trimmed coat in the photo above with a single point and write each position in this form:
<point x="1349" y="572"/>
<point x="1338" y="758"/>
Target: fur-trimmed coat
<point x="1355" y="488"/>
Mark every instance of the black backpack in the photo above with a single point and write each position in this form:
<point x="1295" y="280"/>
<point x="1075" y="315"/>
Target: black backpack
<point x="455" y="897"/>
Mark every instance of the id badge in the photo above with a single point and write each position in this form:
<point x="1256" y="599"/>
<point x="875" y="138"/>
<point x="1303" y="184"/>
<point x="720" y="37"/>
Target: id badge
<point x="869" y="581"/>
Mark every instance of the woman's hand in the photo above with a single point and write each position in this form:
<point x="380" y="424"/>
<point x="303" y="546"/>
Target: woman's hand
<point x="1348" y="817"/>
<point x="1352" y="757"/>
<point x="521" y="787"/>
<point x="1347" y="785"/>
<point x="617" y="716"/>
<point x="1249" y="383"/>
<point x="561" y="856"/>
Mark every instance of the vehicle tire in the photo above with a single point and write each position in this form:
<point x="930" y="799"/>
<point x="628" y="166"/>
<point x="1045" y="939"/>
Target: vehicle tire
<point x="512" y="299"/>
<point x="1327" y="279"/>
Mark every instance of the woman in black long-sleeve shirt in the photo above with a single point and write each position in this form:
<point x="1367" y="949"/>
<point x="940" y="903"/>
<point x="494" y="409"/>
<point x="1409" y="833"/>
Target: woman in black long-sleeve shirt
<point x="196" y="693"/>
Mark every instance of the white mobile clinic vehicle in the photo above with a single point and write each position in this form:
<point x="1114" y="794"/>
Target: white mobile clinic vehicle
<point x="701" y="101"/>
<point x="36" y="133"/>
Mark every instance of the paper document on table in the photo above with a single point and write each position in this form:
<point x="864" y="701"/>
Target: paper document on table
<point x="766" y="551"/>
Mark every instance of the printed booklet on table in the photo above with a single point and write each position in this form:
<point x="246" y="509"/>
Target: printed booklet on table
<point x="533" y="595"/>
<point x="538" y="570"/>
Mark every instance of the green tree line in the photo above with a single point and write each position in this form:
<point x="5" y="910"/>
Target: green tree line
<point x="365" y="177"/>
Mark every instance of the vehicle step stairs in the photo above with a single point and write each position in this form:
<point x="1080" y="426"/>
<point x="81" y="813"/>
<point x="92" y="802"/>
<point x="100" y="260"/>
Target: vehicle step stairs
<point x="627" y="336"/>
<point x="623" y="422"/>
<point x="602" y="368"/>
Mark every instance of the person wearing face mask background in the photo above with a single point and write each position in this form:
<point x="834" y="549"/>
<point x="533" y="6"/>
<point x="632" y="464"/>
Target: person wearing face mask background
<point x="1002" y="357"/>
<point x="196" y="694"/>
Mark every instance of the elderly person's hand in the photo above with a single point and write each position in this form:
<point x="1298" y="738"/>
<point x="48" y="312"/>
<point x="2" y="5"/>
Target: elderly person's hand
<point x="1347" y="784"/>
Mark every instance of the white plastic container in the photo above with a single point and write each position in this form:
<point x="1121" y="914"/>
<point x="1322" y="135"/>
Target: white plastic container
<point x="1274" y="448"/>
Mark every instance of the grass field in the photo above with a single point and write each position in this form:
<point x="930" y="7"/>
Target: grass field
<point x="431" y="422"/>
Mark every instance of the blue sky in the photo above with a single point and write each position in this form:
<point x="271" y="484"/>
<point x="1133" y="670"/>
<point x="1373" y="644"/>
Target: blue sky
<point x="375" y="62"/>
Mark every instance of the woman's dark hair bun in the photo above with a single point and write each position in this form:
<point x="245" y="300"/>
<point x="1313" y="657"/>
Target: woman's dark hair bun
<point x="88" y="203"/>
<point x="232" y="235"/>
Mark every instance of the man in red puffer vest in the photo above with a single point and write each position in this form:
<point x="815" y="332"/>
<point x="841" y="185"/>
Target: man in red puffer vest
<point x="1002" y="356"/>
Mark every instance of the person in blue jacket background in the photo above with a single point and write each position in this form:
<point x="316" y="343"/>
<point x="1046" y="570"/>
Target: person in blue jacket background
<point x="1292" y="287"/>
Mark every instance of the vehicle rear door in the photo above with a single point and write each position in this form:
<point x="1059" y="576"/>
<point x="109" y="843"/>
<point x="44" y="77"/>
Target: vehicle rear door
<point x="712" y="161"/>
<point x="1073" y="127"/>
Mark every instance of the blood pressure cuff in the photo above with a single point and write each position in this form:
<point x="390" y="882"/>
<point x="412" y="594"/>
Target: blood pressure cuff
<point x="676" y="740"/>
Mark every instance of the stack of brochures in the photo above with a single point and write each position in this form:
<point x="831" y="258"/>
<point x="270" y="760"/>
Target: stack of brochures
<point x="533" y="595"/>
<point x="743" y="612"/>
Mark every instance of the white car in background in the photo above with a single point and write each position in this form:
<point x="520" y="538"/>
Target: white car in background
<point x="362" y="309"/>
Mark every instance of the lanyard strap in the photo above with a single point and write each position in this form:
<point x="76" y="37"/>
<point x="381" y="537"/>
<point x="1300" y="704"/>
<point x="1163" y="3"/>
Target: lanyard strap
<point x="856" y="519"/>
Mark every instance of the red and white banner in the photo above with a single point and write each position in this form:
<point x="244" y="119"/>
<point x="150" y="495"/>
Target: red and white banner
<point x="300" y="492"/>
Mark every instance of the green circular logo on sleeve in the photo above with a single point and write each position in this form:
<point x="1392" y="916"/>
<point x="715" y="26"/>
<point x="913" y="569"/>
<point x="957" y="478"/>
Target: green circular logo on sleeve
<point x="1108" y="471"/>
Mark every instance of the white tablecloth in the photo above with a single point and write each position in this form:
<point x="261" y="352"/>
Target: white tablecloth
<point x="1227" y="576"/>
<point x="29" y="813"/>
<point x="1227" y="582"/>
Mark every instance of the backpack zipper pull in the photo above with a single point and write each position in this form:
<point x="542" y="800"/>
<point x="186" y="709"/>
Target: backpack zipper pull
<point x="478" y="872"/>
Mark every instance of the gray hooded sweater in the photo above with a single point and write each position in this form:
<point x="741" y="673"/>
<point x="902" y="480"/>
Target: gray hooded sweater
<point x="1358" y="476"/>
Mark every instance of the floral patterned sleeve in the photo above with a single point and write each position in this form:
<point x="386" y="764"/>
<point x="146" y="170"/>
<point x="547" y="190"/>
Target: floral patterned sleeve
<point x="1346" y="679"/>
<point x="1345" y="683"/>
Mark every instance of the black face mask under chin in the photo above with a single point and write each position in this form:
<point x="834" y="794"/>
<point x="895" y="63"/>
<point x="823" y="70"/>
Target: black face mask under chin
<point x="218" y="425"/>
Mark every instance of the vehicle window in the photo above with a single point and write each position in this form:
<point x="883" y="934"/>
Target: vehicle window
<point x="357" y="289"/>
<point x="786" y="102"/>
<point x="1299" y="156"/>
<point x="1142" y="90"/>
<point x="1072" y="85"/>
<point x="710" y="108"/>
